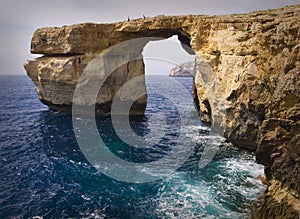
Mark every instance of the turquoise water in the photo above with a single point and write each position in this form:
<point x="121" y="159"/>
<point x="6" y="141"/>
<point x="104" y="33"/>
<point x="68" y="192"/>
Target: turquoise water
<point x="44" y="173"/>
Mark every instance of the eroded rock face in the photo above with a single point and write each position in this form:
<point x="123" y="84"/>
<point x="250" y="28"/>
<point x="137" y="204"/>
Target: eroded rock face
<point x="56" y="78"/>
<point x="246" y="83"/>
<point x="240" y="66"/>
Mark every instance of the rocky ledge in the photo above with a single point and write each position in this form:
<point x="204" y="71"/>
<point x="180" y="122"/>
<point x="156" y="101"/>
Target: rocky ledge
<point x="246" y="85"/>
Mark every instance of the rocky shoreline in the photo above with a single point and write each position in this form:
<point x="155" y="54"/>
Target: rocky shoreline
<point x="246" y="85"/>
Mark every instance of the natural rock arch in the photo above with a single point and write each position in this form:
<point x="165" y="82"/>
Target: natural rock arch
<point x="68" y="50"/>
<point x="247" y="77"/>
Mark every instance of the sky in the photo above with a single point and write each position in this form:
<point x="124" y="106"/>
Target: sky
<point x="19" y="19"/>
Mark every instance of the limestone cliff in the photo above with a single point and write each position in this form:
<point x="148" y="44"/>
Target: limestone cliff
<point x="183" y="70"/>
<point x="246" y="85"/>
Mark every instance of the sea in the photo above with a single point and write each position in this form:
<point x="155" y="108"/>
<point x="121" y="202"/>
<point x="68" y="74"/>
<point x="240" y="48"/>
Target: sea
<point x="46" y="174"/>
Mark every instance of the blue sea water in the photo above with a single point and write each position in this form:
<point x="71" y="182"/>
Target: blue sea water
<point x="45" y="174"/>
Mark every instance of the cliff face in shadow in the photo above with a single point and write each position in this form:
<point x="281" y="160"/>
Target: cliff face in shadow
<point x="246" y="82"/>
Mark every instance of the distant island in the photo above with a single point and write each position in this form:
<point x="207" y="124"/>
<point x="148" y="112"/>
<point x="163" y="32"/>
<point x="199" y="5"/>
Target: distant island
<point x="183" y="70"/>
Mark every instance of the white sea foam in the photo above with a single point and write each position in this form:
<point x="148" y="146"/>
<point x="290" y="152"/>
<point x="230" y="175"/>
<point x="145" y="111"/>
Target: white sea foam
<point x="186" y="197"/>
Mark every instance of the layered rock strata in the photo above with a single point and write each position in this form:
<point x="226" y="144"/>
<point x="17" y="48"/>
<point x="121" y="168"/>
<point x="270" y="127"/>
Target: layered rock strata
<point x="246" y="82"/>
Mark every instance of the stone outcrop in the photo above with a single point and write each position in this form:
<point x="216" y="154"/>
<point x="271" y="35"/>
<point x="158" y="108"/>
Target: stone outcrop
<point x="56" y="76"/>
<point x="183" y="70"/>
<point x="246" y="84"/>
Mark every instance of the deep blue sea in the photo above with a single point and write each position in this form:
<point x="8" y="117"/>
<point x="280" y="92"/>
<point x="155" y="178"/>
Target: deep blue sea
<point x="45" y="174"/>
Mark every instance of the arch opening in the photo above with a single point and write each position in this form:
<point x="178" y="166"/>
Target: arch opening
<point x="161" y="58"/>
